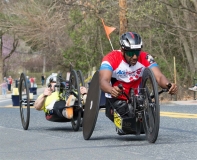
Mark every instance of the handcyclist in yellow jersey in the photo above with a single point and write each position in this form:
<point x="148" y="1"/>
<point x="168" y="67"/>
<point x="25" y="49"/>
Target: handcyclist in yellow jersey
<point x="49" y="100"/>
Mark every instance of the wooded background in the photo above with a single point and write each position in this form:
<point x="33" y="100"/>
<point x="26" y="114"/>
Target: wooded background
<point x="49" y="35"/>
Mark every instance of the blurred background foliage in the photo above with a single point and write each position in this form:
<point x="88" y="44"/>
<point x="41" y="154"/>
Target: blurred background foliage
<point x="60" y="33"/>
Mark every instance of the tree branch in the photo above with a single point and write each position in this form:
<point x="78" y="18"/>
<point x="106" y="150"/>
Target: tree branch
<point x="15" y="44"/>
<point x="184" y="8"/>
<point x="173" y="26"/>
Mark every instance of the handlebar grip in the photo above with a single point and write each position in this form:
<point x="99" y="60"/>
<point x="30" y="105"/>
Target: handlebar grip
<point x="120" y="86"/>
<point x="169" y="85"/>
<point x="57" y="85"/>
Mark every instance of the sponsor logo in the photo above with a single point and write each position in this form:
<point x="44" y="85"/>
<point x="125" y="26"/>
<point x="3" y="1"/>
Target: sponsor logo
<point x="126" y="124"/>
<point x="132" y="75"/>
<point x="117" y="121"/>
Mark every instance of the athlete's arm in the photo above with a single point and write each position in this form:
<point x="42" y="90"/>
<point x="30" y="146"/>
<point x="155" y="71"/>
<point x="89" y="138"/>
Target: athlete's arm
<point x="104" y="80"/>
<point x="38" y="104"/>
<point x="163" y="81"/>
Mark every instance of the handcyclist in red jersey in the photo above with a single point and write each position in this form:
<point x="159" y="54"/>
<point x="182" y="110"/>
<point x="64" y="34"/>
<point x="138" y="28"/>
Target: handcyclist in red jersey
<point x="126" y="66"/>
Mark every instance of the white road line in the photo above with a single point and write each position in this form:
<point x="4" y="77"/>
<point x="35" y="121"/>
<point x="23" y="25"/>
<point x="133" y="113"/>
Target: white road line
<point x="3" y="100"/>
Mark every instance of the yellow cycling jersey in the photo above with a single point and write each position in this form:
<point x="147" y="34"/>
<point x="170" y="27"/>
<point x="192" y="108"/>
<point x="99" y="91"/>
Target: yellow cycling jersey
<point x="54" y="97"/>
<point x="50" y="101"/>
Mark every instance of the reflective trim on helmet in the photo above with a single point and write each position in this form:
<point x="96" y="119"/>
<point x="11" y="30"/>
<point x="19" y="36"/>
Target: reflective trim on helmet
<point x="135" y="46"/>
<point x="125" y="43"/>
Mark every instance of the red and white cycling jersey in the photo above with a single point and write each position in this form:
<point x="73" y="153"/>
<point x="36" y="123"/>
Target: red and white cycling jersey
<point x="128" y="76"/>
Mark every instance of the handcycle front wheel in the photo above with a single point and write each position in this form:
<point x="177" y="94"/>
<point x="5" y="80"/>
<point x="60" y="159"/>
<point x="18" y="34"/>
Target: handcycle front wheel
<point x="151" y="112"/>
<point x="92" y="107"/>
<point x="75" y="87"/>
<point x="24" y="101"/>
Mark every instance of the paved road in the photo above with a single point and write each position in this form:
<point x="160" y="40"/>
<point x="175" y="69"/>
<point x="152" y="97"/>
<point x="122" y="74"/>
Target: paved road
<point x="40" y="90"/>
<point x="48" y="140"/>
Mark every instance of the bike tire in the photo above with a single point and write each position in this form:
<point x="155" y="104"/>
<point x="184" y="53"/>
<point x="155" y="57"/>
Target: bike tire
<point x="92" y="107"/>
<point x="81" y="79"/>
<point x="74" y="86"/>
<point x="24" y="102"/>
<point x="151" y="113"/>
<point x="81" y="83"/>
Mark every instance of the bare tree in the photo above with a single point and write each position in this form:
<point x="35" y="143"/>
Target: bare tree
<point x="39" y="24"/>
<point x="5" y="56"/>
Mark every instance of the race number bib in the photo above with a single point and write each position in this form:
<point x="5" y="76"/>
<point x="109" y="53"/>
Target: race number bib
<point x="117" y="120"/>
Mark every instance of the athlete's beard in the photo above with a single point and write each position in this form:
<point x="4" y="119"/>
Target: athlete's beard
<point x="129" y="62"/>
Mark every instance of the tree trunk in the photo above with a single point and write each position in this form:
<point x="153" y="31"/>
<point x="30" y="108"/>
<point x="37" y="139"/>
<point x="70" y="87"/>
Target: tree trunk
<point x="122" y="16"/>
<point x="195" y="47"/>
<point x="192" y="50"/>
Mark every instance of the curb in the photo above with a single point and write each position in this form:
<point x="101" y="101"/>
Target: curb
<point x="191" y="102"/>
<point x="9" y="95"/>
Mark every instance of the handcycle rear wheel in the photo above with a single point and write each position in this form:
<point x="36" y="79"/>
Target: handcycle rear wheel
<point x="151" y="113"/>
<point x="24" y="101"/>
<point x="74" y="86"/>
<point x="81" y="83"/>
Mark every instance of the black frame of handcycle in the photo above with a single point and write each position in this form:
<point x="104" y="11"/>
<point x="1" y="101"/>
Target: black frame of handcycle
<point x="87" y="131"/>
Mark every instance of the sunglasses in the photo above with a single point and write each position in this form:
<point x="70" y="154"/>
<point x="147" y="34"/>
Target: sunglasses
<point x="132" y="53"/>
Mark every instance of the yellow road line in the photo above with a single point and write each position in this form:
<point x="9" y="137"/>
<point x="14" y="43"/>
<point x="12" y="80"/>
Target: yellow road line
<point x="164" y="114"/>
<point x="174" y="114"/>
<point x="178" y="115"/>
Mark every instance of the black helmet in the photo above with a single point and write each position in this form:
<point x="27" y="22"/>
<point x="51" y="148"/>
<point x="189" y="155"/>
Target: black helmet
<point x="130" y="41"/>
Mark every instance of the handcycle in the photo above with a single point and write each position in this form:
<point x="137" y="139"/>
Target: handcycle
<point x="144" y="109"/>
<point x="65" y="88"/>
